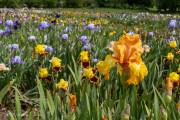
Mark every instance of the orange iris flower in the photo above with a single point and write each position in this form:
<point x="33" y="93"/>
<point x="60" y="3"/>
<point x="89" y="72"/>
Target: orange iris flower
<point x="127" y="49"/>
<point x="127" y="53"/>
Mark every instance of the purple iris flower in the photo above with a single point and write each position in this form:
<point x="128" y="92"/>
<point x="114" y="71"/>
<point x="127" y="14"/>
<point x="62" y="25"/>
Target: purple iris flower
<point x="7" y="31"/>
<point x="67" y="29"/>
<point x="91" y="26"/>
<point x="65" y="36"/>
<point x="172" y="24"/>
<point x="151" y="34"/>
<point x="17" y="60"/>
<point x="171" y="38"/>
<point x="84" y="39"/>
<point x="54" y="22"/>
<point x="83" y="20"/>
<point x="16" y="25"/>
<point x="48" y="48"/>
<point x="98" y="28"/>
<point x="43" y="25"/>
<point x="13" y="47"/>
<point x="1" y="32"/>
<point x="1" y="22"/>
<point x="32" y="38"/>
<point x="86" y="47"/>
<point x="131" y="33"/>
<point x="9" y="23"/>
<point x="95" y="60"/>
<point x="57" y="15"/>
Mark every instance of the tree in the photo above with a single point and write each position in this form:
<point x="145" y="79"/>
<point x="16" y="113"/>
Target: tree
<point x="11" y="3"/>
<point x="50" y="3"/>
<point x="170" y="5"/>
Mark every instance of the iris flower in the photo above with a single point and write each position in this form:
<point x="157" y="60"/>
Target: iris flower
<point x="127" y="54"/>
<point x="62" y="85"/>
<point x="104" y="66"/>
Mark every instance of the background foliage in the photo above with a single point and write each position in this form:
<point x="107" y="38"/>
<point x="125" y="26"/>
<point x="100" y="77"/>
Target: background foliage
<point x="170" y="5"/>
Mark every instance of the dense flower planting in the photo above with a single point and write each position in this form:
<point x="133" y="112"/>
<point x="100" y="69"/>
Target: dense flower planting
<point x="89" y="65"/>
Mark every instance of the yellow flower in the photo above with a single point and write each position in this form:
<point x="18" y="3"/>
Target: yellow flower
<point x="146" y="48"/>
<point x="3" y="67"/>
<point x="73" y="102"/>
<point x="173" y="76"/>
<point x="137" y="73"/>
<point x="88" y="72"/>
<point x="84" y="56"/>
<point x="169" y="87"/>
<point x="43" y="73"/>
<point x="104" y="66"/>
<point x="139" y="70"/>
<point x="179" y="69"/>
<point x="62" y="85"/>
<point x="40" y="49"/>
<point x="112" y="33"/>
<point x="170" y="56"/>
<point x="56" y="62"/>
<point x="119" y="69"/>
<point x="173" y="44"/>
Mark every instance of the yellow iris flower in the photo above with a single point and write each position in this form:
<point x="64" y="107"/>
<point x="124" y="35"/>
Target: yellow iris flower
<point x="43" y="73"/>
<point x="62" y="85"/>
<point x="40" y="49"/>
<point x="56" y="62"/>
<point x="173" y="76"/>
<point x="170" y="56"/>
<point x="104" y="66"/>
<point x="137" y="73"/>
<point x="84" y="56"/>
<point x="173" y="44"/>
<point x="88" y="72"/>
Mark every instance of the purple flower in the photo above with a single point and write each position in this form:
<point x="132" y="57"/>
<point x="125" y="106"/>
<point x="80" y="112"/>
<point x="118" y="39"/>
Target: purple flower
<point x="86" y="47"/>
<point x="95" y="60"/>
<point x="84" y="39"/>
<point x="172" y="24"/>
<point x="43" y="25"/>
<point x="13" y="47"/>
<point x="48" y="48"/>
<point x="171" y="38"/>
<point x="7" y="31"/>
<point x="54" y="22"/>
<point x="1" y="22"/>
<point x="65" y="36"/>
<point x="98" y="28"/>
<point x="151" y="34"/>
<point x="57" y="15"/>
<point x="1" y="32"/>
<point x="16" y="25"/>
<point x="37" y="30"/>
<point x="131" y="33"/>
<point x="80" y="30"/>
<point x="32" y="38"/>
<point x="16" y="60"/>
<point x="90" y="26"/>
<point x="83" y="20"/>
<point x="67" y="29"/>
<point x="9" y="23"/>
